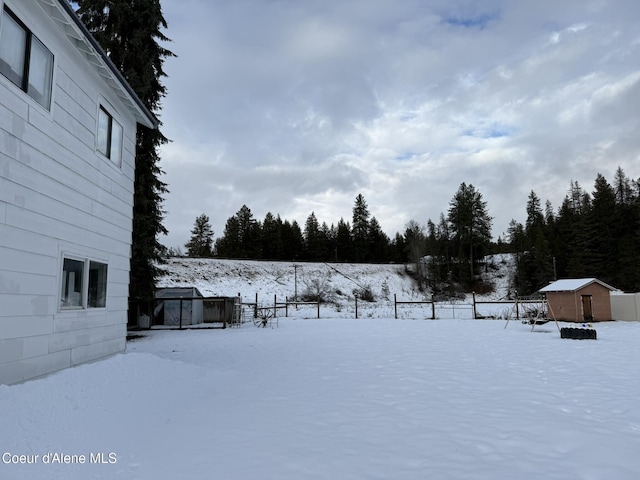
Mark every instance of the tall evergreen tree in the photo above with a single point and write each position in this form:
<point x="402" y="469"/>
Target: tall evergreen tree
<point x="601" y="227"/>
<point x="398" y="249"/>
<point x="623" y="188"/>
<point x="130" y="32"/>
<point x="327" y="242"/>
<point x="360" y="229"/>
<point x="627" y="232"/>
<point x="534" y="260"/>
<point x="378" y="242"/>
<point x="344" y="242"/>
<point x="248" y="234"/>
<point x="312" y="240"/>
<point x="470" y="227"/>
<point x="228" y="245"/>
<point x="201" y="242"/>
<point x="272" y="247"/>
<point x="535" y="218"/>
<point x="573" y="232"/>
<point x="293" y="239"/>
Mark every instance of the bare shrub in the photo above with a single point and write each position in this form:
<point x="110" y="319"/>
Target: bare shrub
<point x="318" y="289"/>
<point x="365" y="293"/>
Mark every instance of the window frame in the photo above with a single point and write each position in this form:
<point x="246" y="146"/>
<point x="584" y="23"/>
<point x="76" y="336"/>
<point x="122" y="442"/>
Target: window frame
<point x="89" y="292"/>
<point x="109" y="137"/>
<point x="31" y="42"/>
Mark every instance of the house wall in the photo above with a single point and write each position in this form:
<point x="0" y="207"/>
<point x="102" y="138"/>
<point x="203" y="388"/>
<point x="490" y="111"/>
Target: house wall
<point x="58" y="196"/>
<point x="626" y="307"/>
<point x="567" y="306"/>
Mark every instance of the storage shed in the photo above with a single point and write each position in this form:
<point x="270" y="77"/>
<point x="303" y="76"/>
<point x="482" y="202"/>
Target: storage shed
<point x="178" y="306"/>
<point x="579" y="300"/>
<point x="185" y="306"/>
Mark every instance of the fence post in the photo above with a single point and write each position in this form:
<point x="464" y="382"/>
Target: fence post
<point x="180" y="313"/>
<point x="318" y="307"/>
<point x="395" y="305"/>
<point x="286" y="306"/>
<point x="433" y="308"/>
<point x="475" y="312"/>
<point x="356" y="296"/>
<point x="255" y="307"/>
<point x="275" y="306"/>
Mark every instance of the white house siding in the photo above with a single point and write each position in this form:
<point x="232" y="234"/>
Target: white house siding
<point x="59" y="196"/>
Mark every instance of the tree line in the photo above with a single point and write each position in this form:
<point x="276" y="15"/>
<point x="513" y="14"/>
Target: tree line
<point x="590" y="235"/>
<point x="360" y="240"/>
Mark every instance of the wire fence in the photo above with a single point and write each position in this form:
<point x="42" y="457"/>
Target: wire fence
<point x="222" y="312"/>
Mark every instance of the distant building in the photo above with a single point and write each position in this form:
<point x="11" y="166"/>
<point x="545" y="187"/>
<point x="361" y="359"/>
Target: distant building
<point x="68" y="124"/>
<point x="579" y="300"/>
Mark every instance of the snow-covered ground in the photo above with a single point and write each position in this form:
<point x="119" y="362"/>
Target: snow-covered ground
<point x="341" y="399"/>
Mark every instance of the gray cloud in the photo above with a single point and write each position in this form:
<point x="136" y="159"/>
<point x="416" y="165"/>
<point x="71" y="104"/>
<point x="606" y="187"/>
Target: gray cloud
<point x="293" y="107"/>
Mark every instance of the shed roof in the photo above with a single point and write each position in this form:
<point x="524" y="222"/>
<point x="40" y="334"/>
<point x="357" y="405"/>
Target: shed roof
<point x="168" y="292"/>
<point x="572" y="285"/>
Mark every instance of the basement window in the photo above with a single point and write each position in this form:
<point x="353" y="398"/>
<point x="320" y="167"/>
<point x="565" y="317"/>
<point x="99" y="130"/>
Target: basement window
<point x="109" y="136"/>
<point x="24" y="59"/>
<point x="84" y="284"/>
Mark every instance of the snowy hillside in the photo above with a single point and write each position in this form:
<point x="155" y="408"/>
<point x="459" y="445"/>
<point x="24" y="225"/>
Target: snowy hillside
<point x="217" y="277"/>
<point x="338" y="282"/>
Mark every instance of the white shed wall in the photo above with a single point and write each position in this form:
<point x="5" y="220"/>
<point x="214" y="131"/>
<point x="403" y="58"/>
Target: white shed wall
<point x="59" y="196"/>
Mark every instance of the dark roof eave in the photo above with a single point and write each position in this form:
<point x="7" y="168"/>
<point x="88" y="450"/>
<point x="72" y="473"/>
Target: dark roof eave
<point x="114" y="70"/>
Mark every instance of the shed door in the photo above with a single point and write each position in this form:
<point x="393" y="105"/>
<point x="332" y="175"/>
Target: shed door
<point x="587" y="310"/>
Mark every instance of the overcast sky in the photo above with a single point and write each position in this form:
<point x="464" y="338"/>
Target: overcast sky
<point x="296" y="106"/>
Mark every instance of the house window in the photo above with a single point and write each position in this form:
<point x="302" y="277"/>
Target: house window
<point x="109" y="136"/>
<point x="97" y="294"/>
<point x="25" y="60"/>
<point x="84" y="284"/>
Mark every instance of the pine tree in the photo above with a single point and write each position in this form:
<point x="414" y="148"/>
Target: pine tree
<point x="601" y="232"/>
<point x="327" y="242"/>
<point x="312" y="240"/>
<point x="228" y="245"/>
<point x="248" y="234"/>
<point x="129" y="31"/>
<point x="201" y="242"/>
<point x="378" y="242"/>
<point x="344" y="242"/>
<point x="574" y="210"/>
<point x="627" y="232"/>
<point x="470" y="227"/>
<point x="623" y="188"/>
<point x="360" y="229"/>
<point x="398" y="249"/>
<point x="293" y="240"/>
<point x="272" y="247"/>
<point x="535" y="218"/>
